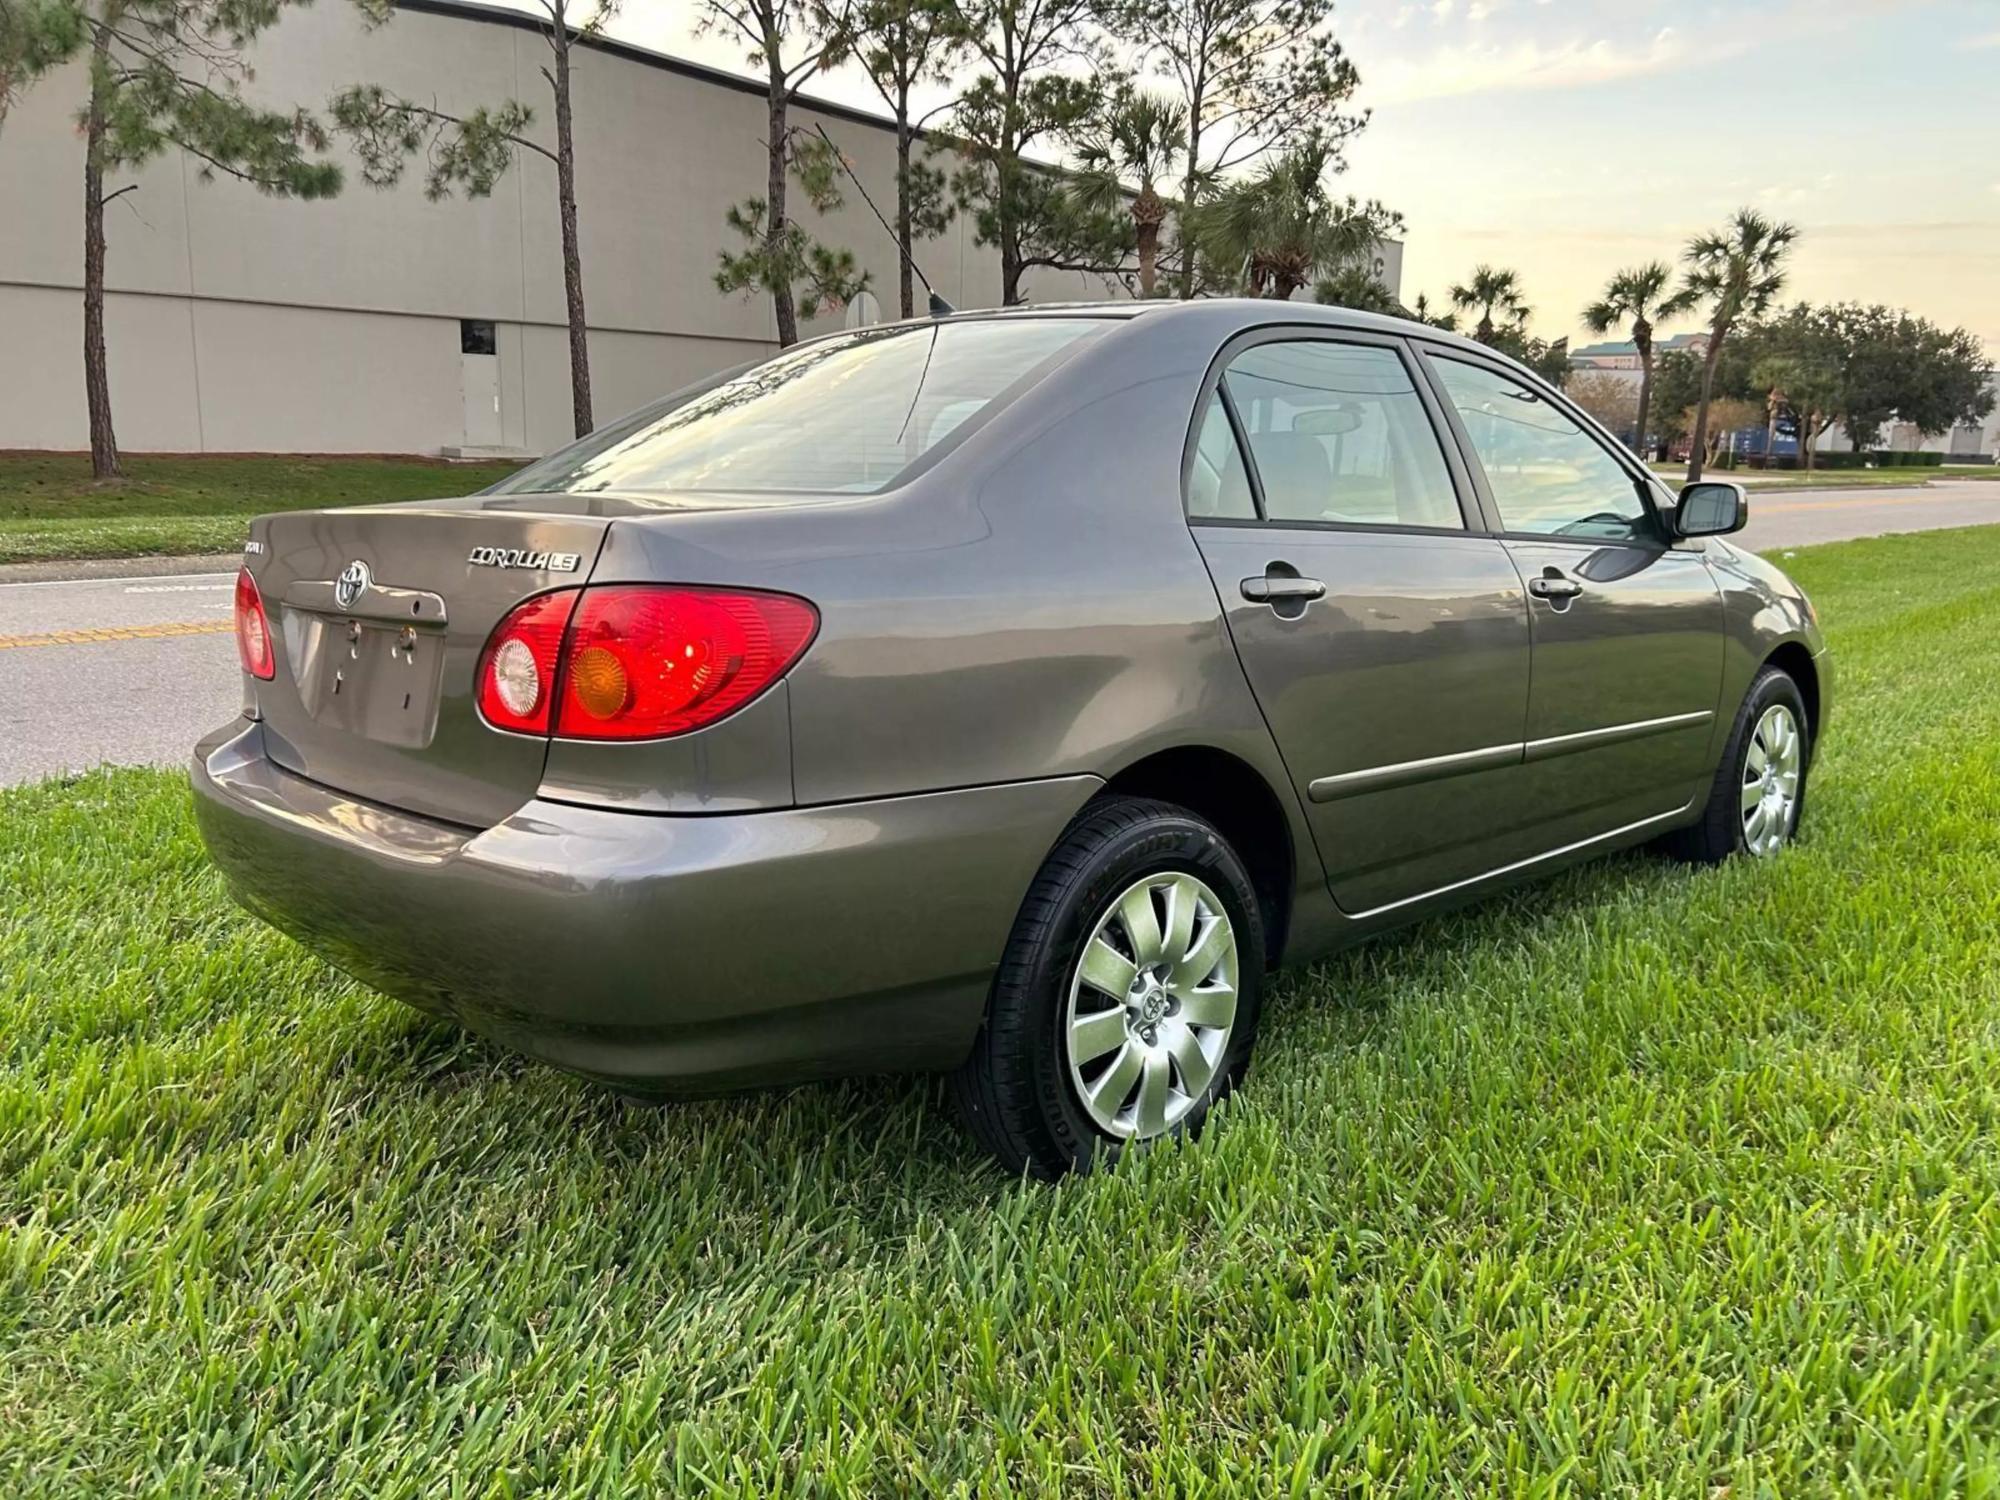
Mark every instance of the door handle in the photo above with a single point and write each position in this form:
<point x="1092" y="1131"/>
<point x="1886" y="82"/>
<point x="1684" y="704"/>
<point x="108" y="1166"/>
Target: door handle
<point x="1554" y="586"/>
<point x="1274" y="588"/>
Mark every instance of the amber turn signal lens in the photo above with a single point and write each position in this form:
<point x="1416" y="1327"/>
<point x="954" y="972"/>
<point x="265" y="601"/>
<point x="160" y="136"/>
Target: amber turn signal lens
<point x="597" y="677"/>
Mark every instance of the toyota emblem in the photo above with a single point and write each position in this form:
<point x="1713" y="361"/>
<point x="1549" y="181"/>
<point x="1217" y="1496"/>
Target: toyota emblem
<point x="351" y="584"/>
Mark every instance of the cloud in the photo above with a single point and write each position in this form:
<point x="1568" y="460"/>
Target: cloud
<point x="1495" y="67"/>
<point x="1991" y="39"/>
<point x="1605" y="41"/>
<point x="1914" y="238"/>
<point x="1798" y="192"/>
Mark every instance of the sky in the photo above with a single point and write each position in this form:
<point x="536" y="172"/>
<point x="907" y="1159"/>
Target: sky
<point x="1568" y="138"/>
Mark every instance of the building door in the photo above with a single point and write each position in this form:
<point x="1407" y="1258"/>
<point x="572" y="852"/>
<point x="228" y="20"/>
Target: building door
<point x="479" y="362"/>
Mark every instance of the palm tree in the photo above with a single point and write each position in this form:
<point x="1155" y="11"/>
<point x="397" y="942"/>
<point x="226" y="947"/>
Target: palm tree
<point x="1356" y="286"/>
<point x="1139" y="136"/>
<point x="1738" y="272"/>
<point x="1420" y="311"/>
<point x="1641" y="294"/>
<point x="1273" y="232"/>
<point x="1491" y="291"/>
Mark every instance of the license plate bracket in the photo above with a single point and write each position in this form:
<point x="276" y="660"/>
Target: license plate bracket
<point x="377" y="681"/>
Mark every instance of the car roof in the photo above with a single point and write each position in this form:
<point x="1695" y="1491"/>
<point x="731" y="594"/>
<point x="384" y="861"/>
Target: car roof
<point x="1248" y="312"/>
<point x="1107" y="309"/>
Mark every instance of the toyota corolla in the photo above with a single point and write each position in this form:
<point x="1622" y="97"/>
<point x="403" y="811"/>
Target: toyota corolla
<point x="999" y="694"/>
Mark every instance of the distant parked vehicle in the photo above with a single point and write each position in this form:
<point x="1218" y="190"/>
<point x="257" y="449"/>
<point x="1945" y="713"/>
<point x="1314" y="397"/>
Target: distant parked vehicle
<point x="1001" y="694"/>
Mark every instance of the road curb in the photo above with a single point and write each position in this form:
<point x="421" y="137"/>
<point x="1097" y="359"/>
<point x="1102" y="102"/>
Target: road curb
<point x="70" y="570"/>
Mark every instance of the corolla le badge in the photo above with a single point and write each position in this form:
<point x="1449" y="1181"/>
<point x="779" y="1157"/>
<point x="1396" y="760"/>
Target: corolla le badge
<point x="522" y="557"/>
<point x="351" y="584"/>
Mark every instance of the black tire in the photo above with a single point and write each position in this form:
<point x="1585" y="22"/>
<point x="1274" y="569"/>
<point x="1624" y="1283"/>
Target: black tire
<point x="1015" y="1090"/>
<point x="1719" y="832"/>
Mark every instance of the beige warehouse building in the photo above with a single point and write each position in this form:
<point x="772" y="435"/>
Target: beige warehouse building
<point x="381" y="322"/>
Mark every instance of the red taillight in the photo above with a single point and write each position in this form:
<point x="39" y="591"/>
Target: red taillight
<point x="637" y="661"/>
<point x="253" y="629"/>
<point x="645" y="662"/>
<point x="517" y="670"/>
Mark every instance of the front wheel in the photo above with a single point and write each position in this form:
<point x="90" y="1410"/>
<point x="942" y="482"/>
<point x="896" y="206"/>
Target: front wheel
<point x="1760" y="788"/>
<point x="1126" y="1002"/>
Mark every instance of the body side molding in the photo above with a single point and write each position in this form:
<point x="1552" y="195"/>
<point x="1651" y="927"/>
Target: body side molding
<point x="1490" y="757"/>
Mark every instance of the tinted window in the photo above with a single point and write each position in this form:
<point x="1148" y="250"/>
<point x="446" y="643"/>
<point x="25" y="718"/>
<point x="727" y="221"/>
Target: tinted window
<point x="843" y="415"/>
<point x="1547" y="474"/>
<point x="1218" y="484"/>
<point x="1338" y="433"/>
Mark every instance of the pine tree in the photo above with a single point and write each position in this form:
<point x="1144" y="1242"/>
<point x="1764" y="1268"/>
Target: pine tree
<point x="170" y="73"/>
<point x="790" y="41"/>
<point x="470" y="152"/>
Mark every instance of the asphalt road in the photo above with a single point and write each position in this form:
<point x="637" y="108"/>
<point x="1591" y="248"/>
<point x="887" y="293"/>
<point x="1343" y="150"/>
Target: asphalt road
<point x="134" y="670"/>
<point x="1799" y="518"/>
<point x="130" y="671"/>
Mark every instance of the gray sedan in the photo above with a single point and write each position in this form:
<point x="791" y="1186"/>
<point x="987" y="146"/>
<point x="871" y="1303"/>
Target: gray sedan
<point x="1002" y="694"/>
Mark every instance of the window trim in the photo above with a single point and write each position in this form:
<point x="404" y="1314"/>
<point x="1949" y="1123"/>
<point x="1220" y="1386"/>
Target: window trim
<point x="1465" y="496"/>
<point x="1643" y="480"/>
<point x="1239" y="435"/>
<point x="1222" y="401"/>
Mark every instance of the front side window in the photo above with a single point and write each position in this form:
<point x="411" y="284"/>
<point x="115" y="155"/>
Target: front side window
<point x="1548" y="476"/>
<point x="844" y="415"/>
<point x="1338" y="434"/>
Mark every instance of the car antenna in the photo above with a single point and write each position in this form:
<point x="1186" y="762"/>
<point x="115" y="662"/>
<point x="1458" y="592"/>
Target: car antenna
<point x="939" y="308"/>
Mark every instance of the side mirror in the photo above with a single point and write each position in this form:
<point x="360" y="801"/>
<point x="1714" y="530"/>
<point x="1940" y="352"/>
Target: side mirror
<point x="1713" y="507"/>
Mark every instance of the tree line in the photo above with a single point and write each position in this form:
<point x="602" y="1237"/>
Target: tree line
<point x="1729" y="275"/>
<point x="1816" y="367"/>
<point x="1197" y="142"/>
<point x="1157" y="107"/>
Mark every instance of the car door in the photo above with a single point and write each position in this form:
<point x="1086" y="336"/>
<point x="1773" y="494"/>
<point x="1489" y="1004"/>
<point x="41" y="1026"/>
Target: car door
<point x="1385" y="637"/>
<point x="1627" y="621"/>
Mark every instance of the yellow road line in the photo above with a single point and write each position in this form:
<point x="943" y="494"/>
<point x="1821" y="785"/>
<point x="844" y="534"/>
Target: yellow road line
<point x="116" y="633"/>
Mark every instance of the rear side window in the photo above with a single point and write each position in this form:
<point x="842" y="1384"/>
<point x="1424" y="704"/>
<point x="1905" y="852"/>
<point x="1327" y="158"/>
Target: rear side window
<point x="1548" y="476"/>
<point x="1337" y="433"/>
<point x="844" y="415"/>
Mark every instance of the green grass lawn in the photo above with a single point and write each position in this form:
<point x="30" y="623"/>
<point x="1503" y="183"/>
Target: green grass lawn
<point x="50" y="509"/>
<point x="1648" y="1181"/>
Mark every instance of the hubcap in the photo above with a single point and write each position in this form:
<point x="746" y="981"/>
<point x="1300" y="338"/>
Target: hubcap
<point x="1151" y="1005"/>
<point x="1771" y="770"/>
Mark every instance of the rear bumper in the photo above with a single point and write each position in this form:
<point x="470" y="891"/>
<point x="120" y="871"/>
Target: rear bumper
<point x="685" y="954"/>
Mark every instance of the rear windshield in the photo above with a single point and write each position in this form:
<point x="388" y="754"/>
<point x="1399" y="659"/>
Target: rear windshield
<point x="844" y="415"/>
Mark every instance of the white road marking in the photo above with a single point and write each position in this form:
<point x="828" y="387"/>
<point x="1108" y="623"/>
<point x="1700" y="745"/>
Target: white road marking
<point x="70" y="583"/>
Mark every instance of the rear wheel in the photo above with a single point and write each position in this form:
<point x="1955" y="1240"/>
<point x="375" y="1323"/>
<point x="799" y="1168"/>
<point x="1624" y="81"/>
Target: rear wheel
<point x="1760" y="787"/>
<point x="1126" y="1002"/>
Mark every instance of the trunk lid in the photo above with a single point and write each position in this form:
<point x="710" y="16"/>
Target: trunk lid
<point x="379" y="615"/>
